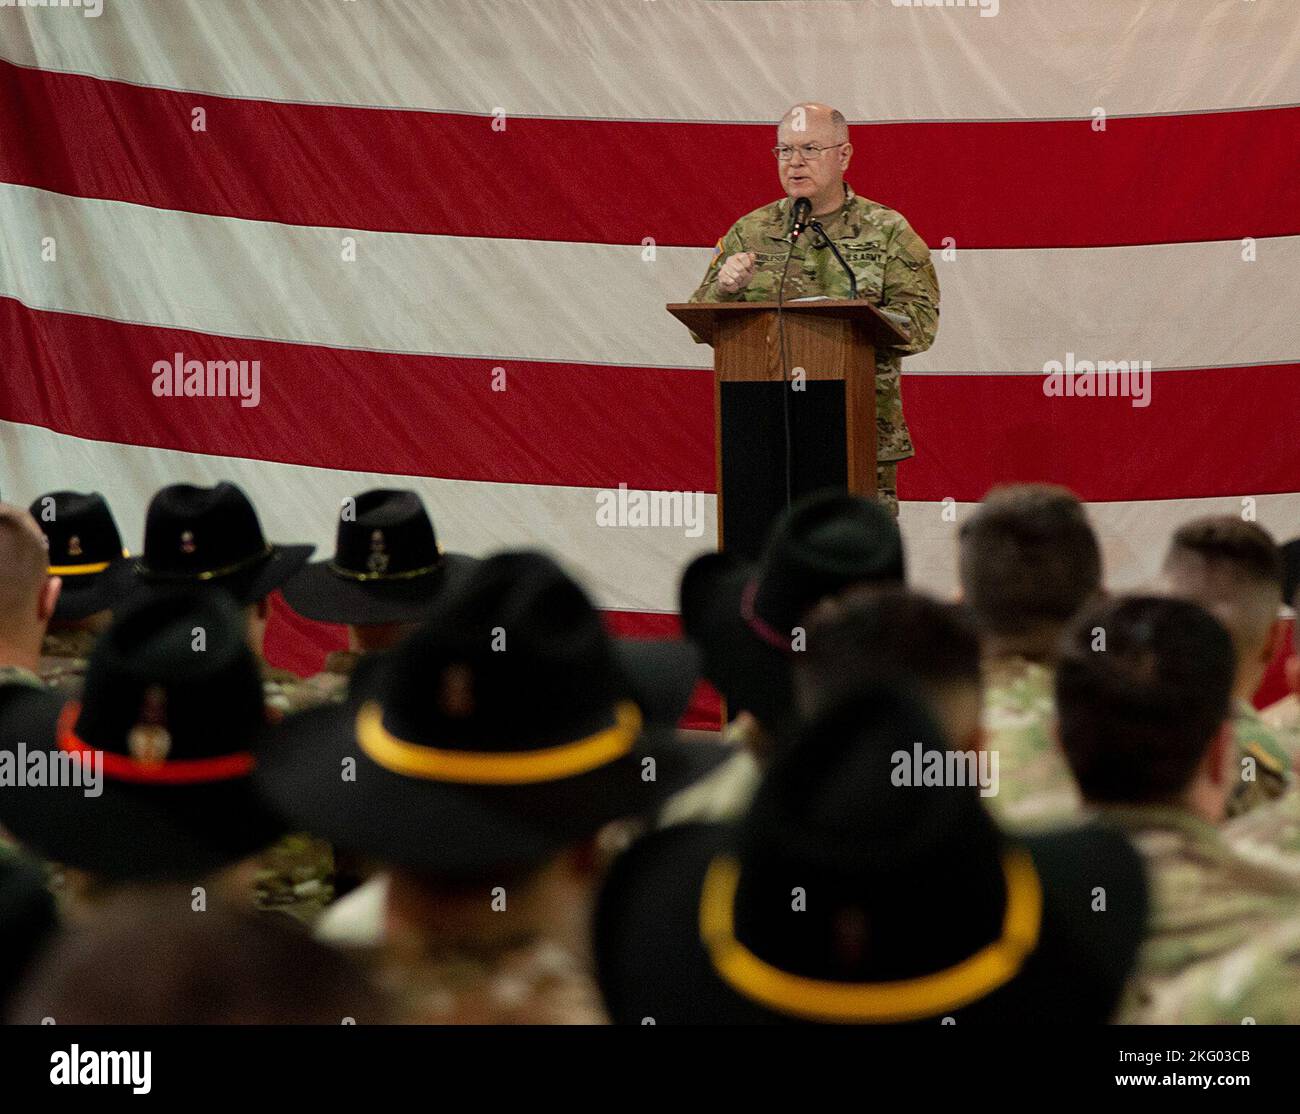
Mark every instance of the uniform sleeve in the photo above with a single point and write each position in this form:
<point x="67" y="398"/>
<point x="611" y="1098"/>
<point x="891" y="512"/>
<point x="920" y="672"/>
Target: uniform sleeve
<point x="911" y="288"/>
<point x="708" y="291"/>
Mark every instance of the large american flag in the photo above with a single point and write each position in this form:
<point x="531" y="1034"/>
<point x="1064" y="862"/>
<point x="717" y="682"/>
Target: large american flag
<point x="383" y="201"/>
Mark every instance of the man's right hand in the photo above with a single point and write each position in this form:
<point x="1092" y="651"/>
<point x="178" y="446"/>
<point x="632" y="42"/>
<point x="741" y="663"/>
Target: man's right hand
<point x="735" y="273"/>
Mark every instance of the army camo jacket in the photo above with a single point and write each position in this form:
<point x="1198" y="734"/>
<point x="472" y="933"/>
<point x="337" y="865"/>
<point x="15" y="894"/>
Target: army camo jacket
<point x="890" y="262"/>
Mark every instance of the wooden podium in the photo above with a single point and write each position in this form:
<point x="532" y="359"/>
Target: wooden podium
<point x="832" y="417"/>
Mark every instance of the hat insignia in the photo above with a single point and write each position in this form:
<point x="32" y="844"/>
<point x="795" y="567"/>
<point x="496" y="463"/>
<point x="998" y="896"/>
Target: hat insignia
<point x="74" y="546"/>
<point x="149" y="741"/>
<point x="378" y="559"/>
<point x="187" y="541"/>
<point x="456" y="692"/>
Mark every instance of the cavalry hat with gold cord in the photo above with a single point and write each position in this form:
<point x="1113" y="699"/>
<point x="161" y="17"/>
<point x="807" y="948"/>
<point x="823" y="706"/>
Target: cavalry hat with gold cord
<point x="386" y="568"/>
<point x="86" y="551"/>
<point x="845" y="898"/>
<point x="201" y="536"/>
<point x="504" y="729"/>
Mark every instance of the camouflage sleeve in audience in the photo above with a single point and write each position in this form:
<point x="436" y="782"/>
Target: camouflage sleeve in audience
<point x="1258" y="983"/>
<point x="1266" y="761"/>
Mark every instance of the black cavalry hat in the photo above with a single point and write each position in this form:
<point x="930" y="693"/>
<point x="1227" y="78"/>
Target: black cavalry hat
<point x="850" y="895"/>
<point x="501" y="731"/>
<point x="743" y="616"/>
<point x="85" y="551"/>
<point x="387" y="564"/>
<point x="172" y="713"/>
<point x="211" y="535"/>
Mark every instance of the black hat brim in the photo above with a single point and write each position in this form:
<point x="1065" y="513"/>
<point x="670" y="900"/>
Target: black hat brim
<point x="651" y="962"/>
<point x="316" y="592"/>
<point x="248" y="586"/>
<point x="129" y="831"/>
<point x="453" y="829"/>
<point x="751" y="675"/>
<point x="86" y="594"/>
<point x="662" y="674"/>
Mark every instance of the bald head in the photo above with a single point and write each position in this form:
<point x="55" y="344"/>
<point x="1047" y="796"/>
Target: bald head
<point x="816" y="137"/>
<point x="26" y="596"/>
<point x="1233" y="569"/>
<point x="812" y="115"/>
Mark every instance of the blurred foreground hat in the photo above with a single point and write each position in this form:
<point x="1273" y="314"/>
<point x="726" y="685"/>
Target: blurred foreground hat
<point x="172" y="714"/>
<point x="848" y="896"/>
<point x="503" y="730"/>
<point x="743" y="615"/>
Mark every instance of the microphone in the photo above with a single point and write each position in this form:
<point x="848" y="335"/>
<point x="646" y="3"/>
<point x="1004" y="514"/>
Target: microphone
<point x="800" y="215"/>
<point x="816" y="226"/>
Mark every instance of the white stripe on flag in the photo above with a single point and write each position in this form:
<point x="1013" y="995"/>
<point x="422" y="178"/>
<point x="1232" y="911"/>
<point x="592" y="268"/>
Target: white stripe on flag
<point x="686" y="60"/>
<point x="1177" y="305"/>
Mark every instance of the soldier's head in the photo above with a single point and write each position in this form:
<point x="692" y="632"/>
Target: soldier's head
<point x="1143" y="698"/>
<point x="224" y="966"/>
<point x="28" y="593"/>
<point x="816" y="138"/>
<point x="856" y="640"/>
<point x="1028" y="561"/>
<point x="1234" y="570"/>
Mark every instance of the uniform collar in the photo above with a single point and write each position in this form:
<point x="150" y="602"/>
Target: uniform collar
<point x="1135" y="819"/>
<point x="833" y="222"/>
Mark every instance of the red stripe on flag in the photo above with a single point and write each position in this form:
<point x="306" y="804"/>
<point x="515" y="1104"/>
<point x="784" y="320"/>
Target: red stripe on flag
<point x="1221" y="431"/>
<point x="560" y="424"/>
<point x="1156" y="179"/>
<point x="1208" y="432"/>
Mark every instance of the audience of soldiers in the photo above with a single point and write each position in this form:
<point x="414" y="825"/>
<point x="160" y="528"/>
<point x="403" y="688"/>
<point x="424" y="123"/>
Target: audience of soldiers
<point x="1043" y="801"/>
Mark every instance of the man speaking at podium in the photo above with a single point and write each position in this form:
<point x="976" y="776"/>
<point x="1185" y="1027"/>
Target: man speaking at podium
<point x="890" y="262"/>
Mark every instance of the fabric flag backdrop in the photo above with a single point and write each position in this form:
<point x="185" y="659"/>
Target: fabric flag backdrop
<point x="385" y="202"/>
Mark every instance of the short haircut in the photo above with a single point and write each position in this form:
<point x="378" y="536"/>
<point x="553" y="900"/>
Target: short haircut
<point x="1233" y="569"/>
<point x="1028" y="560"/>
<point x="885" y="632"/>
<point x="24" y="567"/>
<point x="1142" y="686"/>
<point x="220" y="966"/>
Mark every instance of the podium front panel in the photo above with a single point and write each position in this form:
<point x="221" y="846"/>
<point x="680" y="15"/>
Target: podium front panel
<point x="752" y="423"/>
<point x="832" y="417"/>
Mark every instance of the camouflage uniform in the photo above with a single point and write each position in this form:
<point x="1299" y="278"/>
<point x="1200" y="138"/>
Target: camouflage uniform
<point x="17" y="675"/>
<point x="296" y="875"/>
<point x="1213" y="952"/>
<point x="331" y="683"/>
<point x="535" y="983"/>
<point x="64" y="655"/>
<point x="893" y="269"/>
<point x="1269" y="834"/>
<point x="1284" y="715"/>
<point x="1272" y="755"/>
<point x="724" y="795"/>
<point x="1036" y="789"/>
